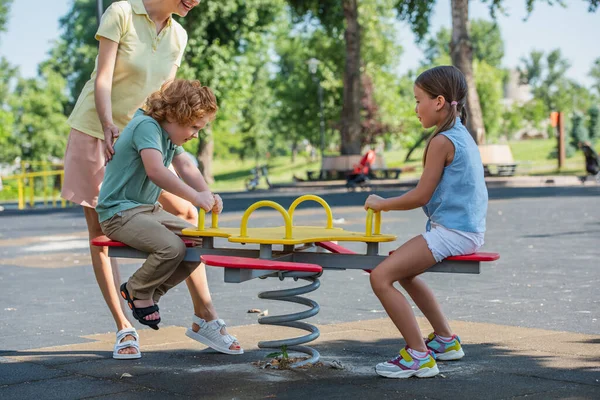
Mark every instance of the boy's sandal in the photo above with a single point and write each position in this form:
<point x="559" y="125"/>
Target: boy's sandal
<point x="210" y="335"/>
<point x="140" y="313"/>
<point x="119" y="344"/>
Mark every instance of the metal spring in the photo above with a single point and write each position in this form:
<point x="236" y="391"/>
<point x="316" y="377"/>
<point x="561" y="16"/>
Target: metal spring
<point x="291" y="320"/>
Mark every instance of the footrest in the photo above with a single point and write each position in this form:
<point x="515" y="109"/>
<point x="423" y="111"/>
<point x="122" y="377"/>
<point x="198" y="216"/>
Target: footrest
<point x="105" y="241"/>
<point x="258" y="263"/>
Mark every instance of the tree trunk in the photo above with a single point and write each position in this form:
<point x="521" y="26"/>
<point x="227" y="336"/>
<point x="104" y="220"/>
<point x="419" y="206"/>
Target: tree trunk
<point x="461" y="52"/>
<point x="205" y="157"/>
<point x="294" y="150"/>
<point x="351" y="129"/>
<point x="424" y="136"/>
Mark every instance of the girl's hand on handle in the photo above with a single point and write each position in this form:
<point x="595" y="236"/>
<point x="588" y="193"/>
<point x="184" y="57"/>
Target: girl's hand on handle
<point x="204" y="200"/>
<point x="374" y="202"/>
<point x="111" y="133"/>
<point x="218" y="207"/>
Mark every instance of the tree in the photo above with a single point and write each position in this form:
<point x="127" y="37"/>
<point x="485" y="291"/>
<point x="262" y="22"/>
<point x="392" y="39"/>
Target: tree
<point x="595" y="74"/>
<point x="545" y="73"/>
<point x="461" y="47"/>
<point x="8" y="140"/>
<point x="488" y="50"/>
<point x="593" y="123"/>
<point x="40" y="123"/>
<point x="8" y="149"/>
<point x="296" y="89"/>
<point x="73" y="55"/>
<point x="4" y="14"/>
<point x="578" y="133"/>
<point x="461" y="52"/>
<point x="225" y="39"/>
<point x="220" y="34"/>
<point x="337" y="16"/>
<point x="342" y="19"/>
<point x="486" y="39"/>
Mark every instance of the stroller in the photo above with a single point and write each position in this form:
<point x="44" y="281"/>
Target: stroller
<point x="361" y="173"/>
<point x="592" y="162"/>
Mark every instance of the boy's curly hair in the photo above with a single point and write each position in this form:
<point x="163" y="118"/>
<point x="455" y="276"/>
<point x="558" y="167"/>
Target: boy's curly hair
<point x="181" y="101"/>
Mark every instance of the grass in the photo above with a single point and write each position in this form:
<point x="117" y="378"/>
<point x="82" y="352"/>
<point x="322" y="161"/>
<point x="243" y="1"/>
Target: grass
<point x="230" y="175"/>
<point x="532" y="157"/>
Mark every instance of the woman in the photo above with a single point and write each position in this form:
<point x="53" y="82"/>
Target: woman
<point x="140" y="47"/>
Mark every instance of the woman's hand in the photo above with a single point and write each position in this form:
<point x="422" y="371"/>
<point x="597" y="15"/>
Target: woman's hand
<point x="375" y="202"/>
<point x="205" y="200"/>
<point x="111" y="133"/>
<point x="218" y="207"/>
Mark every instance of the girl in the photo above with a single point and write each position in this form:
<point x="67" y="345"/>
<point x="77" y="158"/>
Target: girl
<point x="140" y="47"/>
<point x="454" y="197"/>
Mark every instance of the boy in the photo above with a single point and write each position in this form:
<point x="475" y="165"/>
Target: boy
<point x="127" y="205"/>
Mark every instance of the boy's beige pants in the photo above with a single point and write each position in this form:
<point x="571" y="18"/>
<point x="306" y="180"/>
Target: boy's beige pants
<point x="152" y="230"/>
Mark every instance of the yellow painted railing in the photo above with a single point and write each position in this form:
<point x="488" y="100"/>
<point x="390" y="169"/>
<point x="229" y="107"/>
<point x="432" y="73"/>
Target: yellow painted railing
<point x="26" y="187"/>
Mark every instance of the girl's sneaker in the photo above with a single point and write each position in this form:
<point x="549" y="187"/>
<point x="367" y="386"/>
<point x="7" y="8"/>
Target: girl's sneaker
<point x="405" y="366"/>
<point x="443" y="350"/>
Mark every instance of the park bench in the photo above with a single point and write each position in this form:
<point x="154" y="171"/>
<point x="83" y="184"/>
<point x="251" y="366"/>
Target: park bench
<point x="292" y="261"/>
<point x="497" y="160"/>
<point x="343" y="167"/>
<point x="342" y="174"/>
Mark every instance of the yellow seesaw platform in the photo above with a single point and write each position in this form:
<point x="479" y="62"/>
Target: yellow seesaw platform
<point x="290" y="234"/>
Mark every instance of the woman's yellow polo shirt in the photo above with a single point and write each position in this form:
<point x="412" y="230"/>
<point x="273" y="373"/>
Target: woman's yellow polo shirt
<point x="144" y="62"/>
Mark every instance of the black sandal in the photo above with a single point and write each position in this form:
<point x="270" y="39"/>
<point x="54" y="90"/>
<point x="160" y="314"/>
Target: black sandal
<point x="140" y="313"/>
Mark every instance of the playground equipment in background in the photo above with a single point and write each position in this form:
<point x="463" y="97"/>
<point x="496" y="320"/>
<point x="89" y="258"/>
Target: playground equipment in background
<point x="361" y="172"/>
<point x="47" y="178"/>
<point x="290" y="261"/>
<point x="341" y="167"/>
<point x="257" y="172"/>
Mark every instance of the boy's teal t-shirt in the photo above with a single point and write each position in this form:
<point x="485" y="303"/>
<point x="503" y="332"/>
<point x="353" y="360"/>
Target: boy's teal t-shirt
<point x="126" y="184"/>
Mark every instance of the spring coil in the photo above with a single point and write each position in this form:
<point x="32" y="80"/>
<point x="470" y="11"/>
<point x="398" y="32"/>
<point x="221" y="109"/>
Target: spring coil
<point x="291" y="320"/>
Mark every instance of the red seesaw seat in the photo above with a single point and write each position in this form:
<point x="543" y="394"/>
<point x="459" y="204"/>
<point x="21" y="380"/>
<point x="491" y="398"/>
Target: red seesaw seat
<point x="105" y="241"/>
<point x="475" y="257"/>
<point x="481" y="257"/>
<point x="258" y="263"/>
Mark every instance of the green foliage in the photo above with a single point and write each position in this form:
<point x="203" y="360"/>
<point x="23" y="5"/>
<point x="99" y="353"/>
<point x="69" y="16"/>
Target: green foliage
<point x="40" y="126"/>
<point x="329" y="14"/>
<point x="578" y="134"/>
<point x="486" y="39"/>
<point x="8" y="140"/>
<point x="595" y="75"/>
<point x="489" y="87"/>
<point x="594" y="123"/>
<point x="546" y="76"/>
<point x="73" y="55"/>
<point x="283" y="353"/>
<point x="8" y="147"/>
<point x="517" y="116"/>
<point x="4" y="14"/>
<point x="228" y="50"/>
<point x="296" y="90"/>
<point x="417" y="13"/>
<point x="488" y="50"/>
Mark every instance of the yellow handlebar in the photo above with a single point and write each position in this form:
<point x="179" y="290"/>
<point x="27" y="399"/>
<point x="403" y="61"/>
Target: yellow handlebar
<point x="369" y="230"/>
<point x="202" y="217"/>
<point x="319" y="200"/>
<point x="266" y="203"/>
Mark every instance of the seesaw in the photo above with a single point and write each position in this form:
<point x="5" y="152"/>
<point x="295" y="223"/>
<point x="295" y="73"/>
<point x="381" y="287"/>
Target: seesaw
<point x="291" y="260"/>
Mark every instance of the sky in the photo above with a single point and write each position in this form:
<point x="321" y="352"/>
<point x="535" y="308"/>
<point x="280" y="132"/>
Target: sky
<point x="33" y="25"/>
